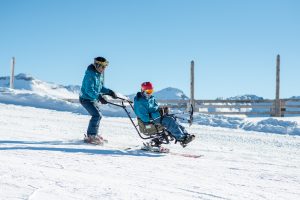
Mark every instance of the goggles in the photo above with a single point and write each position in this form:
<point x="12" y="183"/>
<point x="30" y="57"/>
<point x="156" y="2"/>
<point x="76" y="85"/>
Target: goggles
<point x="149" y="91"/>
<point x="101" y="64"/>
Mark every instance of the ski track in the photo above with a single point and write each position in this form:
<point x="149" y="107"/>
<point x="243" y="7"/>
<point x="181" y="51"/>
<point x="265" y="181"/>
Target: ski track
<point x="42" y="157"/>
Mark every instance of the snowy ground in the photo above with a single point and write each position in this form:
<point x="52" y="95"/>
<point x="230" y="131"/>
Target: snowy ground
<point x="41" y="158"/>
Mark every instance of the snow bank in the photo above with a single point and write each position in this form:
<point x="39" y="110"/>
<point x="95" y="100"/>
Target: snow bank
<point x="38" y="100"/>
<point x="269" y="125"/>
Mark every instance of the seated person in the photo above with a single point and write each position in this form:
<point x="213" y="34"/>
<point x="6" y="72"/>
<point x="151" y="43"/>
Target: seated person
<point x="148" y="111"/>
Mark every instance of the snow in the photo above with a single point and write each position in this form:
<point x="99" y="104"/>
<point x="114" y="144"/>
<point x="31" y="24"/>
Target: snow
<point x="288" y="126"/>
<point x="42" y="157"/>
<point x="27" y="82"/>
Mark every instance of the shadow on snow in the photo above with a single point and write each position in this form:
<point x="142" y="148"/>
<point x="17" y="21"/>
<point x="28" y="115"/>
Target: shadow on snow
<point x="113" y="152"/>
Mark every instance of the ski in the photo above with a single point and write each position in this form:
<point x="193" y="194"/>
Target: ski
<point x="157" y="150"/>
<point x="186" y="155"/>
<point x="164" y="150"/>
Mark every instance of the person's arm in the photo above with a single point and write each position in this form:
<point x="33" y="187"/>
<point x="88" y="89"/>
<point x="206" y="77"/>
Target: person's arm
<point x="109" y="92"/>
<point x="105" y="90"/>
<point x="154" y="110"/>
<point x="89" y="85"/>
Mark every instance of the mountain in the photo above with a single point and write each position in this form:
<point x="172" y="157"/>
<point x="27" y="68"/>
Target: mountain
<point x="242" y="97"/>
<point x="29" y="91"/>
<point x="295" y="97"/>
<point x="27" y="82"/>
<point x="168" y="93"/>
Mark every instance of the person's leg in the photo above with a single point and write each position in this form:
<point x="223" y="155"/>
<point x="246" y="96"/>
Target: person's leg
<point x="183" y="130"/>
<point x="173" y="127"/>
<point x="188" y="137"/>
<point x="93" y="109"/>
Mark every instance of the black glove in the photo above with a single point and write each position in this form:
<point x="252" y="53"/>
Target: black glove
<point x="112" y="94"/>
<point x="164" y="110"/>
<point x="102" y="100"/>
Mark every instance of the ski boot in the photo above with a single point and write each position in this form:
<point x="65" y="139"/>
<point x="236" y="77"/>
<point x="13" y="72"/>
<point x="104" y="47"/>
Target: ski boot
<point x="94" y="139"/>
<point x="154" y="146"/>
<point x="188" y="138"/>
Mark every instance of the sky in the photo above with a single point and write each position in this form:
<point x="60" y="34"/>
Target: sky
<point x="233" y="43"/>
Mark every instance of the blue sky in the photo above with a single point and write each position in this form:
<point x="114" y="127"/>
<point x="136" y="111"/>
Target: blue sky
<point x="234" y="43"/>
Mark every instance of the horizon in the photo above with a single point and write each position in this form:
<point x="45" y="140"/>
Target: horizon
<point x="233" y="44"/>
<point x="133" y="93"/>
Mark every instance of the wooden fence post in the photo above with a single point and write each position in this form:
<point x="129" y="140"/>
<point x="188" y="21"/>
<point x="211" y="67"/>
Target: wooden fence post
<point x="192" y="96"/>
<point x="12" y="75"/>
<point x="277" y="98"/>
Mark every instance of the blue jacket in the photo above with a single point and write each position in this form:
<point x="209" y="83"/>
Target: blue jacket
<point x="146" y="109"/>
<point x="92" y="84"/>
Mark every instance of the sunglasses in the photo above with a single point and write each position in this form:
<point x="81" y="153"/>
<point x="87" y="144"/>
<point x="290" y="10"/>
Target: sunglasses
<point x="102" y="64"/>
<point x="149" y="91"/>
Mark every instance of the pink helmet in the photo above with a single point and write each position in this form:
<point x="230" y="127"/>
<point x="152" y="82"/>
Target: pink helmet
<point x="147" y="87"/>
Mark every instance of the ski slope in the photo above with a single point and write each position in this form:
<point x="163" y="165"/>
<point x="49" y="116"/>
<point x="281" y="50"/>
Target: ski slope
<point x="42" y="157"/>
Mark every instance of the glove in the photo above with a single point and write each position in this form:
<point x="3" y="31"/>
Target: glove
<point x="164" y="110"/>
<point x="112" y="94"/>
<point x="102" y="100"/>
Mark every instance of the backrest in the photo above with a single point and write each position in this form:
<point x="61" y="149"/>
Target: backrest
<point x="149" y="129"/>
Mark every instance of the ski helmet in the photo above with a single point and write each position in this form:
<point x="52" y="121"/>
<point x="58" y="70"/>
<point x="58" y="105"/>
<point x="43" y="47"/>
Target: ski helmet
<point x="100" y="62"/>
<point x="147" y="88"/>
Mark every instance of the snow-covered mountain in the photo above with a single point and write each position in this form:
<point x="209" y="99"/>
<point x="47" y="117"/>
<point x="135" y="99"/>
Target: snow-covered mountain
<point x="25" y="82"/>
<point x="168" y="93"/>
<point x="29" y="91"/>
<point x="242" y="97"/>
<point x="29" y="83"/>
<point x="295" y="97"/>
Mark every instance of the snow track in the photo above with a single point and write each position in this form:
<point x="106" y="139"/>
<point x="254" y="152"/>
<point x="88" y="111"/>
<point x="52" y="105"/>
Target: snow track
<point x="41" y="158"/>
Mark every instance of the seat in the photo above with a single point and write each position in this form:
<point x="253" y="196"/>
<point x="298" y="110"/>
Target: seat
<point x="150" y="129"/>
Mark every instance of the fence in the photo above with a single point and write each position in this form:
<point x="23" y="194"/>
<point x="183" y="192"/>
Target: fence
<point x="288" y="107"/>
<point x="240" y="107"/>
